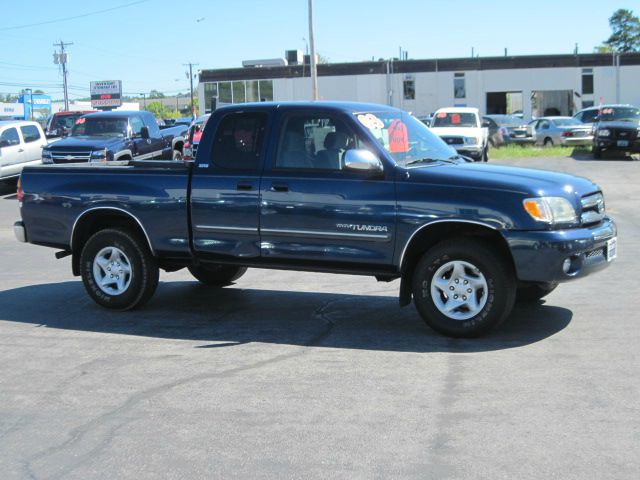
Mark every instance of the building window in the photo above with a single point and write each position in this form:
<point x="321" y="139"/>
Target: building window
<point x="587" y="81"/>
<point x="409" y="88"/>
<point x="224" y="92"/>
<point x="459" y="89"/>
<point x="587" y="103"/>
<point x="265" y="89"/>
<point x="252" y="91"/>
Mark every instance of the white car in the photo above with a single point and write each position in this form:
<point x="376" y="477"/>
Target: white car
<point x="461" y="128"/>
<point x="20" y="145"/>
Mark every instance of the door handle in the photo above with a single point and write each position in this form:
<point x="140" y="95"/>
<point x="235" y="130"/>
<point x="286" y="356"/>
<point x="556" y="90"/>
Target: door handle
<point x="279" y="187"/>
<point x="20" y="150"/>
<point x="244" y="186"/>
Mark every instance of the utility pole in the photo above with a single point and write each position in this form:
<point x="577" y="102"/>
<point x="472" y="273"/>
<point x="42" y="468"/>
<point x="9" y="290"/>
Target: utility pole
<point x="314" y="67"/>
<point x="191" y="65"/>
<point x="144" y="101"/>
<point x="61" y="59"/>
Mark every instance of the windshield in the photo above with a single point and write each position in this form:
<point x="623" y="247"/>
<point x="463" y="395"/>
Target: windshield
<point x="454" y="119"/>
<point x="630" y="114"/>
<point x="65" y="122"/>
<point x="97" y="126"/>
<point x="406" y="138"/>
<point x="566" y="122"/>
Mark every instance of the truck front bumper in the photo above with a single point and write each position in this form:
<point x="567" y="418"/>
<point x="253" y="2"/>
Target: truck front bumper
<point x="20" y="232"/>
<point x="562" y="255"/>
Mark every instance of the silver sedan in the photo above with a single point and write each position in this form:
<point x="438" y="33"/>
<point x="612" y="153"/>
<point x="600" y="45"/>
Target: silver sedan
<point x="566" y="131"/>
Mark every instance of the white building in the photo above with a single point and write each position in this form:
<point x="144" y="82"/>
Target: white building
<point x="535" y="85"/>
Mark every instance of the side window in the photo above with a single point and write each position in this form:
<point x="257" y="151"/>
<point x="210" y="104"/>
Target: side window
<point x="152" y="124"/>
<point x="589" y="116"/>
<point x="238" y="141"/>
<point x="10" y="136"/>
<point x="544" y="124"/>
<point x="30" y="133"/>
<point x="136" y="126"/>
<point x="314" y="142"/>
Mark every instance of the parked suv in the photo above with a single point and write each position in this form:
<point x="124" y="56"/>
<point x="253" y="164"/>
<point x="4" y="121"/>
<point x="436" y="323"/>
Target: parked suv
<point x="617" y="128"/>
<point x="460" y="127"/>
<point x="20" y="144"/>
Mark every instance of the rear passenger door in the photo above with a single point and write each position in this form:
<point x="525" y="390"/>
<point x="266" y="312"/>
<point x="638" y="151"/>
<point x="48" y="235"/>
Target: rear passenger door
<point x="33" y="143"/>
<point x="312" y="209"/>
<point x="225" y="188"/>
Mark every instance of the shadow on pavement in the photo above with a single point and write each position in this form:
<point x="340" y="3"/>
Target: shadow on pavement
<point x="8" y="187"/>
<point x="586" y="155"/>
<point x="232" y="316"/>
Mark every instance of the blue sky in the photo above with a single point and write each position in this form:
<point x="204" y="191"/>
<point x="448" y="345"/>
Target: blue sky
<point x="145" y="43"/>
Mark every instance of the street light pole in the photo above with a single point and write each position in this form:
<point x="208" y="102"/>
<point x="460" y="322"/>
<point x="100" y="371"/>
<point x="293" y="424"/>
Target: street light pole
<point x="193" y="107"/>
<point x="314" y="67"/>
<point x="30" y="102"/>
<point x="144" y="101"/>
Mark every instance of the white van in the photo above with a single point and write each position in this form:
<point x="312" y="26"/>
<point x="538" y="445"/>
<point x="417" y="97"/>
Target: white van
<point x="20" y="144"/>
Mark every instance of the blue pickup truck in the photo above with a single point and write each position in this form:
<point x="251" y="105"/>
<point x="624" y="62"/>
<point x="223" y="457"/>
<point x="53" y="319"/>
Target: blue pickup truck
<point x="116" y="136"/>
<point x="332" y="187"/>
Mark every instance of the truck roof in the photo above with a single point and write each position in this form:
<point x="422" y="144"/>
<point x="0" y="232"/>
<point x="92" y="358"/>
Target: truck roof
<point x="459" y="110"/>
<point x="347" y="107"/>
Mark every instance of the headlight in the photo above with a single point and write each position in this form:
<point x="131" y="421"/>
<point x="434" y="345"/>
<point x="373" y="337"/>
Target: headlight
<point x="46" y="156"/>
<point x="550" y="209"/>
<point x="470" y="140"/>
<point x="99" y="156"/>
<point x="604" y="132"/>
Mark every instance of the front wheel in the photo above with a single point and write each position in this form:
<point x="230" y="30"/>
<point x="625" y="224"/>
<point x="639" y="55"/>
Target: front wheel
<point x="485" y="154"/>
<point x="597" y="153"/>
<point x="463" y="288"/>
<point x="216" y="274"/>
<point x="118" y="270"/>
<point x="177" y="155"/>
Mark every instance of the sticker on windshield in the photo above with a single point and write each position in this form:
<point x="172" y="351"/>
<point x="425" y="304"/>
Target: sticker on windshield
<point x="370" y="121"/>
<point x="441" y="115"/>
<point x="455" y="118"/>
<point x="80" y="121"/>
<point x="398" y="137"/>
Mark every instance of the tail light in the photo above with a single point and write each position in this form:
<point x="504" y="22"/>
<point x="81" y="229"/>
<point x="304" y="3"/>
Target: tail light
<point x="567" y="134"/>
<point x="19" y="192"/>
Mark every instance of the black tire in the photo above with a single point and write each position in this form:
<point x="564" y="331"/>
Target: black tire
<point x="597" y="153"/>
<point x="500" y="282"/>
<point x="485" y="154"/>
<point x="548" y="142"/>
<point x="534" y="291"/>
<point x="144" y="272"/>
<point x="216" y="274"/>
<point x="177" y="155"/>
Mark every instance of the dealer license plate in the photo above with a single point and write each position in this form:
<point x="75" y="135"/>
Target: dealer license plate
<point x="612" y="249"/>
<point x="623" y="143"/>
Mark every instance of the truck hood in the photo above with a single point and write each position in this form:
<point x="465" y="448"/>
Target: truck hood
<point x="525" y="181"/>
<point x="95" y="143"/>
<point x="457" y="131"/>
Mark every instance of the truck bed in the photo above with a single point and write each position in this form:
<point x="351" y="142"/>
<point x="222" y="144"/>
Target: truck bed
<point x="57" y="196"/>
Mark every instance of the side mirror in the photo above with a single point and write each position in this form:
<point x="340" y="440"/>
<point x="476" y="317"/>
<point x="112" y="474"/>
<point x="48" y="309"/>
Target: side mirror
<point x="360" y="160"/>
<point x="144" y="132"/>
<point x="4" y="143"/>
<point x="486" y="124"/>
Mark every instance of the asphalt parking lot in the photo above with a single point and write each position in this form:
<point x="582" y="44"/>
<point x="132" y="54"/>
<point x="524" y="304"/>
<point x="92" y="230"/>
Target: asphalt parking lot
<point x="301" y="375"/>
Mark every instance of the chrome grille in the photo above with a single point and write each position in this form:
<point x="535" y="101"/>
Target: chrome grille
<point x="593" y="210"/>
<point x="70" y="156"/>
<point x="453" y="140"/>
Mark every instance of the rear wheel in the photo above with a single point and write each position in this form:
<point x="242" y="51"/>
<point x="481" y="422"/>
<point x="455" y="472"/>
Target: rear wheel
<point x="463" y="288"/>
<point x="216" y="274"/>
<point x="534" y="292"/>
<point x="548" y="142"/>
<point x="118" y="270"/>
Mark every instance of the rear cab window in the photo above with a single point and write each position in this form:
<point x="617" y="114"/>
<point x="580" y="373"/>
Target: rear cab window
<point x="30" y="133"/>
<point x="238" y="141"/>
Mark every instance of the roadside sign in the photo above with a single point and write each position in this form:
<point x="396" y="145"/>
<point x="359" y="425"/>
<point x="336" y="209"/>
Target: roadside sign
<point x="106" y="93"/>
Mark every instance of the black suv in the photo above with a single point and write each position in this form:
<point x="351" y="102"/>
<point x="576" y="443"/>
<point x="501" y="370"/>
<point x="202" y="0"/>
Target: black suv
<point x="616" y="127"/>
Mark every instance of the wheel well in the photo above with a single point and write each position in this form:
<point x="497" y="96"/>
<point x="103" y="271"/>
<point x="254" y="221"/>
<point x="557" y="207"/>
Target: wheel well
<point x="431" y="235"/>
<point x="125" y="157"/>
<point x="178" y="146"/>
<point x="97" y="220"/>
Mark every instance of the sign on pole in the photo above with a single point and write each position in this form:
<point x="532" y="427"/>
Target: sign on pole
<point x="106" y="94"/>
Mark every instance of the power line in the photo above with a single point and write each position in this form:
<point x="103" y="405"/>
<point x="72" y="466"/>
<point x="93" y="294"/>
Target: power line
<point x="64" y="19"/>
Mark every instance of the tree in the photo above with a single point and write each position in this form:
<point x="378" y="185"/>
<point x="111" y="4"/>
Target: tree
<point x="626" y="31"/>
<point x="156" y="94"/>
<point x="160" y="111"/>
